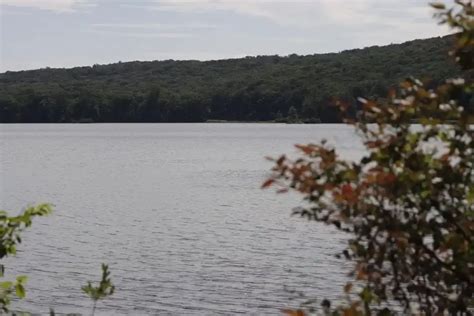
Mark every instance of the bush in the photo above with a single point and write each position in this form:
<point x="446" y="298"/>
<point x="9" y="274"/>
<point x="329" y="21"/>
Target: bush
<point x="409" y="202"/>
<point x="11" y="228"/>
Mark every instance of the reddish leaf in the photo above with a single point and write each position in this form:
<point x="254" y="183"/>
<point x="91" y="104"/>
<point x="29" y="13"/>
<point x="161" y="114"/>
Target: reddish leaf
<point x="268" y="183"/>
<point x="294" y="312"/>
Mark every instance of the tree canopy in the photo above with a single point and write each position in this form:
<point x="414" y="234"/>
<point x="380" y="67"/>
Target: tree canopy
<point x="261" y="88"/>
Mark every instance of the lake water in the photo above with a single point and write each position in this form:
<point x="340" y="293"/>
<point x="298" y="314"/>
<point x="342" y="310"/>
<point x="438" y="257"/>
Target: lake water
<point x="177" y="212"/>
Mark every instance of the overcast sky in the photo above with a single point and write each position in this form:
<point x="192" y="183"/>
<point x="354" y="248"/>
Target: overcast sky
<point x="67" y="33"/>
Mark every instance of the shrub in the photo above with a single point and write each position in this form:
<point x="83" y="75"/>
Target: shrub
<point x="409" y="202"/>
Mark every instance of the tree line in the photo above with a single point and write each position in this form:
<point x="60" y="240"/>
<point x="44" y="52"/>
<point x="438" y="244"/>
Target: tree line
<point x="262" y="88"/>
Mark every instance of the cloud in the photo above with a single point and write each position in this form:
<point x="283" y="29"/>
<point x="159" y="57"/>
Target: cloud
<point x="154" y="26"/>
<point x="202" y="29"/>
<point x="310" y="13"/>
<point x="152" y="30"/>
<point x="51" y="5"/>
<point x="168" y="35"/>
<point x="358" y="21"/>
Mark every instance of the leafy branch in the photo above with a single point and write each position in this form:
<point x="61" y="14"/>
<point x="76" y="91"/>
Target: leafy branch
<point x="10" y="229"/>
<point x="102" y="291"/>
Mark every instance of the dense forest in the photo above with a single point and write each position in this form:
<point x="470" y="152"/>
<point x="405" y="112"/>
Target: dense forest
<point x="261" y="88"/>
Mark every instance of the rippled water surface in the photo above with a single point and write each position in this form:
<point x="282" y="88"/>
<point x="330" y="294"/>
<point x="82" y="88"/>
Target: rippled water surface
<point x="175" y="209"/>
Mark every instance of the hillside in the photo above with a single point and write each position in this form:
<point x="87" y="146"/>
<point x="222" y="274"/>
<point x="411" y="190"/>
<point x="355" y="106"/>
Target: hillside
<point x="249" y="89"/>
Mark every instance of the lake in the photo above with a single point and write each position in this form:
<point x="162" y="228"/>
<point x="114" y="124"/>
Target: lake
<point x="177" y="212"/>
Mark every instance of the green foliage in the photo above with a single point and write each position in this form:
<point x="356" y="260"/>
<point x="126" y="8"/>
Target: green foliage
<point x="10" y="229"/>
<point x="103" y="290"/>
<point x="408" y="203"/>
<point x="293" y="116"/>
<point x="8" y="288"/>
<point x="248" y="89"/>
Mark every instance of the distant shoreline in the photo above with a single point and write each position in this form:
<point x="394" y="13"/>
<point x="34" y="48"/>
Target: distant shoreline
<point x="206" y="122"/>
<point x="470" y="120"/>
<point x="291" y="89"/>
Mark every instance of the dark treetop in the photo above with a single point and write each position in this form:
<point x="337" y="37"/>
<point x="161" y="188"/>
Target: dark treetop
<point x="263" y="88"/>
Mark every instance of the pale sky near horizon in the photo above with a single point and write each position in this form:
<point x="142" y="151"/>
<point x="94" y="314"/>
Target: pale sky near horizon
<point x="68" y="33"/>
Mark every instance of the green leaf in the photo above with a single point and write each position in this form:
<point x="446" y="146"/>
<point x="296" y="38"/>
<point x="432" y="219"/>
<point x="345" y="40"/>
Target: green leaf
<point x="20" y="290"/>
<point x="470" y="195"/>
<point x="22" y="279"/>
<point x="6" y="285"/>
<point x="366" y="295"/>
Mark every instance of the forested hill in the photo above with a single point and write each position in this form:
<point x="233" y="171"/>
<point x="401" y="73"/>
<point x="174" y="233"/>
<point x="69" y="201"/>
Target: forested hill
<point x="248" y="89"/>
